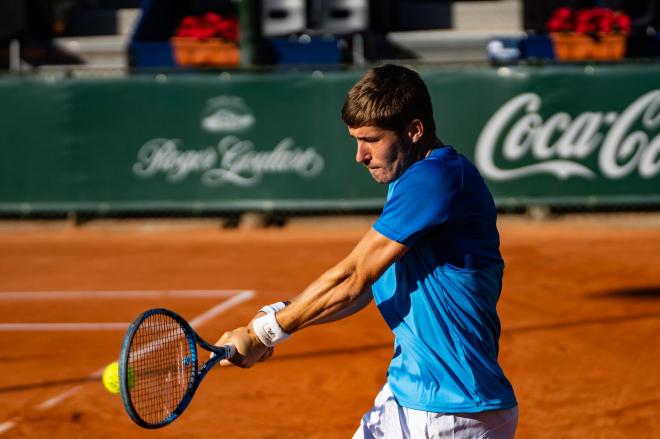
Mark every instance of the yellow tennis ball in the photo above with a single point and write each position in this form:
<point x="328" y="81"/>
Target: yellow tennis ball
<point x="131" y="378"/>
<point x="111" y="377"/>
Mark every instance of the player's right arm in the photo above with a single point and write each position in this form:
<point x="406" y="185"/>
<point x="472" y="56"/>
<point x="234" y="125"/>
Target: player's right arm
<point x="336" y="313"/>
<point x="337" y="293"/>
<point x="345" y="288"/>
<point x="340" y="312"/>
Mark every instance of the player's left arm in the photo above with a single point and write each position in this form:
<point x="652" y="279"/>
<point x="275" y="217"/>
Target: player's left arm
<point x="337" y="293"/>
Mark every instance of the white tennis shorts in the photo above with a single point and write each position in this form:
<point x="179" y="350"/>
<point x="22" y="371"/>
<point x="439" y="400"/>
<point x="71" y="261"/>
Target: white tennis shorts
<point x="388" y="420"/>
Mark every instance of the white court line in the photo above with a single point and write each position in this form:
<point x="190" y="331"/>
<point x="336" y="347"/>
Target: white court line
<point x="221" y="307"/>
<point x="150" y="294"/>
<point x="52" y="402"/>
<point x="199" y="320"/>
<point x="111" y="326"/>
<point x="8" y="425"/>
<point x="62" y="327"/>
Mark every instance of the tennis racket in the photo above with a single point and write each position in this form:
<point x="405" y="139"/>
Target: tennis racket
<point x="158" y="367"/>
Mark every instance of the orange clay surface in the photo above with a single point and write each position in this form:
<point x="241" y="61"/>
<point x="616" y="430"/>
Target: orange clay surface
<point x="580" y="314"/>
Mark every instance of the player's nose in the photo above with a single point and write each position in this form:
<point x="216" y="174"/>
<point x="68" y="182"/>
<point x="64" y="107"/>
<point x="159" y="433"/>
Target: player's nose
<point x="362" y="154"/>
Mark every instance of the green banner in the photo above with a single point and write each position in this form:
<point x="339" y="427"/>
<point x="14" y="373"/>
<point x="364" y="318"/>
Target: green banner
<point x="245" y="141"/>
<point x="563" y="135"/>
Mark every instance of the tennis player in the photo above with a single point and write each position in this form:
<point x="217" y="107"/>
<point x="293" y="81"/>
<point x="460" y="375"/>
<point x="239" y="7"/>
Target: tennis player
<point x="431" y="262"/>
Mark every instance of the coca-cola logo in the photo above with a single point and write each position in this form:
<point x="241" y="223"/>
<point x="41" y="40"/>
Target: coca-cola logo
<point x="232" y="160"/>
<point x="625" y="143"/>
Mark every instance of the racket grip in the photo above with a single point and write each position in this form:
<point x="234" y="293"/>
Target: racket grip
<point x="231" y="351"/>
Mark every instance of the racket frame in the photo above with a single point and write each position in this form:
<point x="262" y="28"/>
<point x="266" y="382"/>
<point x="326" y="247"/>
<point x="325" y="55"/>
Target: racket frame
<point x="197" y="374"/>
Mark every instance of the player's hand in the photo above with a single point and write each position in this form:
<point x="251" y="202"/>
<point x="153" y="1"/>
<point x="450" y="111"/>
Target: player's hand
<point x="249" y="349"/>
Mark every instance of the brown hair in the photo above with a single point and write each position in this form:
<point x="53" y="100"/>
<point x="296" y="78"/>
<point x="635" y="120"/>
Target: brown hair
<point x="389" y="97"/>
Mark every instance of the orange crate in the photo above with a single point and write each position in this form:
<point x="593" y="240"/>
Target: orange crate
<point x="572" y="46"/>
<point x="209" y="52"/>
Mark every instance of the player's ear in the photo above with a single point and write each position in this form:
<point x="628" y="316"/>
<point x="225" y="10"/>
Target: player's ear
<point x="415" y="130"/>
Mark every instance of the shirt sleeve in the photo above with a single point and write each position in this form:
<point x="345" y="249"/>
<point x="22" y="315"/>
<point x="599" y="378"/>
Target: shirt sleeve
<point x="420" y="200"/>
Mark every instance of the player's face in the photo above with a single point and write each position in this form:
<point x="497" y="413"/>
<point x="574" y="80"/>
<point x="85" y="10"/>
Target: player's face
<point x="383" y="152"/>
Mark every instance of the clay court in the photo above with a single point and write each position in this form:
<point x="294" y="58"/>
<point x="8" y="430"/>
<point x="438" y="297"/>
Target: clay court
<point x="580" y="315"/>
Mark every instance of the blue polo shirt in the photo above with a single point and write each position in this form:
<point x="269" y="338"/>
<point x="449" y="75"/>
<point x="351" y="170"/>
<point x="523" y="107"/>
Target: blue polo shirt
<point x="439" y="299"/>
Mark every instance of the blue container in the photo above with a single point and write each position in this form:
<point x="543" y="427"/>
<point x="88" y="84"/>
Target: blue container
<point x="312" y="51"/>
<point x="537" y="47"/>
<point x="151" y="54"/>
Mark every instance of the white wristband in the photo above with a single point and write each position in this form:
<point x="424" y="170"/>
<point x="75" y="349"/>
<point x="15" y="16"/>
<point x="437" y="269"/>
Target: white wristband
<point x="268" y="330"/>
<point x="274" y="307"/>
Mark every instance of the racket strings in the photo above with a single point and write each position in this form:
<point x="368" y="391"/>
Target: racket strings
<point x="161" y="362"/>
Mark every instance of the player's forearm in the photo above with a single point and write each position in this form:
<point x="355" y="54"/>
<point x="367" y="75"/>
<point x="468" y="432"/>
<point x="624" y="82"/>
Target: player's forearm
<point x="337" y="293"/>
<point x="342" y="311"/>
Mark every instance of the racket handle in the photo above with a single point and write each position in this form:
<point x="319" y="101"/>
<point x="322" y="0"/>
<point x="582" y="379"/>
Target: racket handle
<point x="231" y="351"/>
